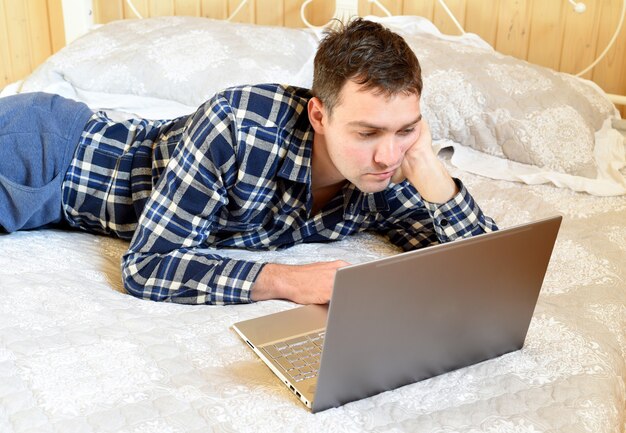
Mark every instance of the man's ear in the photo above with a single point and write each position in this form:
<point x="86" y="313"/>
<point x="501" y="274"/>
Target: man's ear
<point x="317" y="114"/>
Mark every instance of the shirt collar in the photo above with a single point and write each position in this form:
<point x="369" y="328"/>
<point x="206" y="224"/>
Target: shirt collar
<point x="296" y="165"/>
<point x="355" y="201"/>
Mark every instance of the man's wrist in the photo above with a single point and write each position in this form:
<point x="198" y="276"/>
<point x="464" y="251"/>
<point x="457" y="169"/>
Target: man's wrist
<point x="268" y="284"/>
<point x="431" y="179"/>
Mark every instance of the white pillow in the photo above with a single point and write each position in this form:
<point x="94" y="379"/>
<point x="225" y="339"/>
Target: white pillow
<point x="184" y="59"/>
<point x="556" y="126"/>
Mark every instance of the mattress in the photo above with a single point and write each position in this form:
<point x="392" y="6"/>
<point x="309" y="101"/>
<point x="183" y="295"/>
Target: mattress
<point x="77" y="354"/>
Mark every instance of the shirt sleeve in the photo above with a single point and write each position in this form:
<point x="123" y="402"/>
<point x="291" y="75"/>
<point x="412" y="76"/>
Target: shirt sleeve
<point x="166" y="260"/>
<point x="416" y="223"/>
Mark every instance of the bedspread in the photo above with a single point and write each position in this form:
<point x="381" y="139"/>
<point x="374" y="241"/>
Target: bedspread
<point x="77" y="354"/>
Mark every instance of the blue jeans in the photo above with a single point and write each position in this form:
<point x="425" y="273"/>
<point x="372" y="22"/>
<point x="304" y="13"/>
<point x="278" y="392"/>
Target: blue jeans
<point x="39" y="133"/>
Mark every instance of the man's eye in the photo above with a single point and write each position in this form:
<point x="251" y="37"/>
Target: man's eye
<point x="367" y="134"/>
<point x="406" y="131"/>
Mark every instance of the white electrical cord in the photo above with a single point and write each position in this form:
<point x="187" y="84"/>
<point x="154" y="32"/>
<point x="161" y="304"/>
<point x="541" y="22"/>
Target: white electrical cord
<point x="237" y="9"/>
<point x="344" y="11"/>
<point x="132" y="7"/>
<point x="382" y="8"/>
<point x="578" y="7"/>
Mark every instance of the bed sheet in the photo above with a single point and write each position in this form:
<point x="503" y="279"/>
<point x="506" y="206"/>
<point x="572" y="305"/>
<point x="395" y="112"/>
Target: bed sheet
<point x="77" y="354"/>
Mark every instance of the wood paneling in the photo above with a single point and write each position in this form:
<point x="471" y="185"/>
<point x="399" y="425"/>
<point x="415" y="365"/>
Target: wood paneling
<point x="109" y="11"/>
<point x="580" y="38"/>
<point x="246" y="13"/>
<point x="187" y="8"/>
<point x="142" y="7"/>
<point x="420" y="8"/>
<point x="547" y="22"/>
<point x="292" y="13"/>
<point x="610" y="73"/>
<point x="396" y="7"/>
<point x="443" y="21"/>
<point x="483" y="21"/>
<point x="6" y="71"/>
<point x="545" y="32"/>
<point x="269" y="12"/>
<point x="162" y="8"/>
<point x="514" y="28"/>
<point x="57" y="30"/>
<point x="217" y="9"/>
<point x="27" y="36"/>
<point x="39" y="31"/>
<point x="18" y="26"/>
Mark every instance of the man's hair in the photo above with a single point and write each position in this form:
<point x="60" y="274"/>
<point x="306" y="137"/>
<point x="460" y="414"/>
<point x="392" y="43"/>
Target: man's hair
<point x="368" y="54"/>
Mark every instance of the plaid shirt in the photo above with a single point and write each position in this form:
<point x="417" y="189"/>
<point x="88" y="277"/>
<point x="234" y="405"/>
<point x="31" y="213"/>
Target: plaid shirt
<point x="236" y="173"/>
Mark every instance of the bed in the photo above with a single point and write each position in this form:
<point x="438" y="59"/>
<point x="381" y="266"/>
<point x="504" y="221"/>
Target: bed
<point x="78" y="354"/>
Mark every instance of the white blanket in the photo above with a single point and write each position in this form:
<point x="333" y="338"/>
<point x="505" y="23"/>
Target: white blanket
<point x="79" y="355"/>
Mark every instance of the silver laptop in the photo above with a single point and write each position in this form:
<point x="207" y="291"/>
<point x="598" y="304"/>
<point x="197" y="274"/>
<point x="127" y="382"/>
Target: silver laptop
<point x="405" y="318"/>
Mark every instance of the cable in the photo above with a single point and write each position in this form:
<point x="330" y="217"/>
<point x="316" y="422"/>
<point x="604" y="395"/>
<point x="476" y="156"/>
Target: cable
<point x="381" y="7"/>
<point x="135" y="11"/>
<point x="578" y="7"/>
<point x="236" y="11"/>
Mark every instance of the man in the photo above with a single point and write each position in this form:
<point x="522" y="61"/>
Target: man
<point x="257" y="167"/>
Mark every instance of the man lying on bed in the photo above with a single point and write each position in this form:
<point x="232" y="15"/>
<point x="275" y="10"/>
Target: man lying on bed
<point x="256" y="167"/>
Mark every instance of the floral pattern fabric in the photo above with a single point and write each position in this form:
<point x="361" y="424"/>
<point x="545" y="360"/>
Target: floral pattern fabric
<point x="77" y="354"/>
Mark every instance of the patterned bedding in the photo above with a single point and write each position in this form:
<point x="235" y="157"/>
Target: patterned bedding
<point x="77" y="354"/>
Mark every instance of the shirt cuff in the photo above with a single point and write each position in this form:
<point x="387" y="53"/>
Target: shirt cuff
<point x="456" y="218"/>
<point x="233" y="285"/>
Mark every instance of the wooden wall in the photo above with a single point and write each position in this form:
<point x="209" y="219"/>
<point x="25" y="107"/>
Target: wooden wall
<point x="30" y="31"/>
<point x="546" y="32"/>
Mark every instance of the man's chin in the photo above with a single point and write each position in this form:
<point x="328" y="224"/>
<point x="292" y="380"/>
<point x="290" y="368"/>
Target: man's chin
<point x="372" y="187"/>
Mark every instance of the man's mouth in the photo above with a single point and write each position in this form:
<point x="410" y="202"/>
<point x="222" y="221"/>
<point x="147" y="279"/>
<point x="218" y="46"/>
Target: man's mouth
<point x="383" y="175"/>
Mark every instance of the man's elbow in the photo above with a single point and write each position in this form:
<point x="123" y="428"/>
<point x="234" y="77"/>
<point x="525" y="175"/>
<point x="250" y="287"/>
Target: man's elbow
<point x="135" y="284"/>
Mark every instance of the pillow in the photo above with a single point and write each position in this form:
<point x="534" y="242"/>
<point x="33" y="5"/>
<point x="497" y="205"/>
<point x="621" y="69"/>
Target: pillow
<point x="509" y="108"/>
<point x="555" y="124"/>
<point x="504" y="117"/>
<point x="184" y="59"/>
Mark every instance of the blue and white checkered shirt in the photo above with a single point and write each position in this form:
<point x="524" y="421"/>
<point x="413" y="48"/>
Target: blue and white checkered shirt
<point x="236" y="173"/>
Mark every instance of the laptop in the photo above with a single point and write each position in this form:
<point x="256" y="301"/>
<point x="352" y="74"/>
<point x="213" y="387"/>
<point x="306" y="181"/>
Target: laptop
<point x="409" y="317"/>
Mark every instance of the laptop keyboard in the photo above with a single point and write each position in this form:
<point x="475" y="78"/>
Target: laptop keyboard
<point x="300" y="356"/>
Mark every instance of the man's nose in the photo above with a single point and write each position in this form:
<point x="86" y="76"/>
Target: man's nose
<point x="388" y="152"/>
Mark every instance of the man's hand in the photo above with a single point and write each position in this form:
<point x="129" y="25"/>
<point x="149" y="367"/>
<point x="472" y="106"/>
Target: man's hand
<point x="424" y="170"/>
<point x="303" y="284"/>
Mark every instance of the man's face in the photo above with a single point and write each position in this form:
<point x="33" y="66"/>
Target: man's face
<point x="368" y="134"/>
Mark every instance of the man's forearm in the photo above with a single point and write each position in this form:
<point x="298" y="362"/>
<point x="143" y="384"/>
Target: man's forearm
<point x="424" y="170"/>
<point x="304" y="284"/>
<point x="431" y="179"/>
<point x="189" y="276"/>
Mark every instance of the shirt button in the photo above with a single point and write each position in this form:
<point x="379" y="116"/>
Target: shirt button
<point x="443" y="222"/>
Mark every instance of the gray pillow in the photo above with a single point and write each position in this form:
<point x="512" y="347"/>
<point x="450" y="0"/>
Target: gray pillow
<point x="509" y="108"/>
<point x="184" y="59"/>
